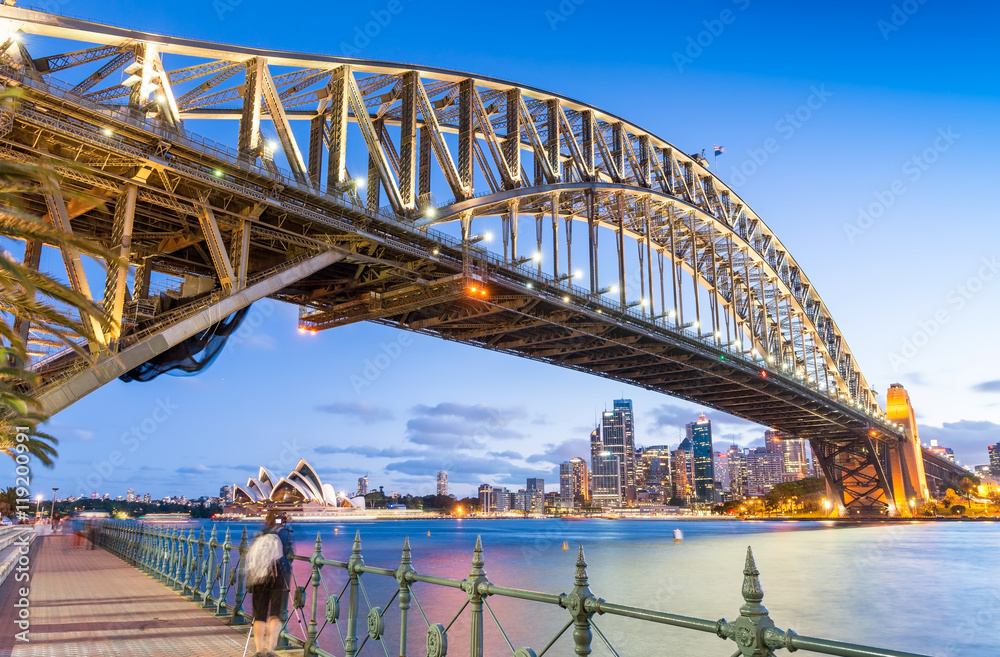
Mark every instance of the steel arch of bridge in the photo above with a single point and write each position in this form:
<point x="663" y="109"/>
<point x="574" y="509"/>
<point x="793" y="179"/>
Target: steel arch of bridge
<point x="532" y="153"/>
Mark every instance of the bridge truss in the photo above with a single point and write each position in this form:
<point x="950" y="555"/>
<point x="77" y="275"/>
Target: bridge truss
<point x="676" y="286"/>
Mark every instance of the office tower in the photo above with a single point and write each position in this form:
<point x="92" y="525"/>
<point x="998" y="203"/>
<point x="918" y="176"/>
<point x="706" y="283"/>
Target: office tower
<point x="723" y="481"/>
<point x="606" y="479"/>
<point x="655" y="465"/>
<point x="147" y="498"/>
<point x="130" y="495"/>
<point x="442" y="483"/>
<point x="794" y="453"/>
<point x="682" y="471"/>
<point x="764" y="470"/>
<point x="618" y="438"/>
<point x="574" y="481"/>
<point x="943" y="452"/>
<point x="502" y="502"/>
<point x="737" y="471"/>
<point x="363" y="485"/>
<point x="700" y="435"/>
<point x="486" y="499"/>
<point x="994" y="451"/>
<point x="535" y="484"/>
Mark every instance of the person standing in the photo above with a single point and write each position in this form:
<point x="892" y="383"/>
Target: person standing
<point x="269" y="590"/>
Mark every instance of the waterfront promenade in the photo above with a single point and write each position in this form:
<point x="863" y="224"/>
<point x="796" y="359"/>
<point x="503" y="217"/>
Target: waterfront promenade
<point x="88" y="602"/>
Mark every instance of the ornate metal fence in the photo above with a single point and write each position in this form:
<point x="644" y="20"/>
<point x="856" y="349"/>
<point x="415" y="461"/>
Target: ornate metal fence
<point x="210" y="572"/>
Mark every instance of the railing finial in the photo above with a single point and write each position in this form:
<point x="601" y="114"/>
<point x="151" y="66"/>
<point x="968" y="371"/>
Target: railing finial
<point x="406" y="558"/>
<point x="477" y="560"/>
<point x="356" y="548"/>
<point x="753" y="593"/>
<point x="581" y="569"/>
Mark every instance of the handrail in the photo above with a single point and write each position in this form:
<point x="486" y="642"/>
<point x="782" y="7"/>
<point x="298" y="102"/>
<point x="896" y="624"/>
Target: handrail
<point x="204" y="571"/>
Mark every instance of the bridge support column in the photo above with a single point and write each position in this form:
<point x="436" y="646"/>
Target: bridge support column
<point x="855" y="474"/>
<point x="22" y="327"/>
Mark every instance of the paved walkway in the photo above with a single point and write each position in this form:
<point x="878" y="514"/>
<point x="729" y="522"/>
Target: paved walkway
<point x="88" y="602"/>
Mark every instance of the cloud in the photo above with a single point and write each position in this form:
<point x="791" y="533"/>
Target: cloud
<point x="477" y="413"/>
<point x="987" y="386"/>
<point x="461" y="426"/>
<point x="967" y="438"/>
<point x="84" y="434"/>
<point x="360" y="410"/>
<point x="564" y="451"/>
<point x="508" y="454"/>
<point x="469" y="470"/>
<point x="370" y="451"/>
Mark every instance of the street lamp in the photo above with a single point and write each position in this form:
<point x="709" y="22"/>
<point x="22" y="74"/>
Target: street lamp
<point x="52" y="514"/>
<point x="38" y="504"/>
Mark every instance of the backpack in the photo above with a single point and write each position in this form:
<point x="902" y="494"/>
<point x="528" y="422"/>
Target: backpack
<point x="263" y="558"/>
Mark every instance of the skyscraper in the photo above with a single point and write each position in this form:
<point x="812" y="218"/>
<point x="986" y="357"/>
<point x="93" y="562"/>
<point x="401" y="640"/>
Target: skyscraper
<point x="681" y="471"/>
<point x="700" y="435"/>
<point x="994" y="451"/>
<point x="486" y="499"/>
<point x="723" y="481"/>
<point x="764" y="471"/>
<point x="226" y="493"/>
<point x="655" y="466"/>
<point x="606" y="478"/>
<point x="534" y="484"/>
<point x="130" y="495"/>
<point x="618" y="438"/>
<point x="737" y="471"/>
<point x="794" y="453"/>
<point x="442" y="483"/>
<point x="574" y="482"/>
<point x="363" y="485"/>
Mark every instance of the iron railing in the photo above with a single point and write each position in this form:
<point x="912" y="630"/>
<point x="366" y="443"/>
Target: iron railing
<point x="211" y="573"/>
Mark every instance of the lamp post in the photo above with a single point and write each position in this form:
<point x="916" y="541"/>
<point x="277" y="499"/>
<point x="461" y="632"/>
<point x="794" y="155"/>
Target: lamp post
<point x="38" y="505"/>
<point x="52" y="514"/>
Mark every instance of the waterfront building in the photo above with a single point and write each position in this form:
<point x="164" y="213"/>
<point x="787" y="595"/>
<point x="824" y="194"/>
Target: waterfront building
<point x="130" y="495"/>
<point x="618" y="438"/>
<point x="486" y="498"/>
<point x="534" y="484"/>
<point x="362" y="486"/>
<point x="606" y="479"/>
<point x="737" y="471"/>
<point x="654" y="463"/>
<point x="723" y="481"/>
<point x="943" y="452"/>
<point x="994" y="451"/>
<point x="147" y="498"/>
<point x="574" y="482"/>
<point x="226" y="494"/>
<point x="794" y="453"/>
<point x="700" y="435"/>
<point x="442" y="483"/>
<point x="765" y="470"/>
<point x="681" y="471"/>
<point x="502" y="502"/>
<point x="301" y="486"/>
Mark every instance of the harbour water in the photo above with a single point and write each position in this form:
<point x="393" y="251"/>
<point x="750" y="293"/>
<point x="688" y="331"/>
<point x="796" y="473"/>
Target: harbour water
<point x="925" y="587"/>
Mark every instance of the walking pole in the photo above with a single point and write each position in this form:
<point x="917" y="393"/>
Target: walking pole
<point x="249" y="634"/>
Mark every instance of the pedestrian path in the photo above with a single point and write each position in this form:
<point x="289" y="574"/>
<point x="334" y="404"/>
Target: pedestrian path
<point x="89" y="603"/>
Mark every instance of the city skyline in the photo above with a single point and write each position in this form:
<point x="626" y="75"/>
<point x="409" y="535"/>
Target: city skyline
<point x="891" y="100"/>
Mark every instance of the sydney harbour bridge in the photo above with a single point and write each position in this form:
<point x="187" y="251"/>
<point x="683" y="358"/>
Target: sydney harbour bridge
<point x="672" y="282"/>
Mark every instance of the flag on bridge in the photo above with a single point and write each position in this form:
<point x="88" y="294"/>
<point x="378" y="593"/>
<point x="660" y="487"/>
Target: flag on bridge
<point x="719" y="150"/>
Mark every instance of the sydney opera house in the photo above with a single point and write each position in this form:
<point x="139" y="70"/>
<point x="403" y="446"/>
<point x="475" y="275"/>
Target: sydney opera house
<point x="301" y="488"/>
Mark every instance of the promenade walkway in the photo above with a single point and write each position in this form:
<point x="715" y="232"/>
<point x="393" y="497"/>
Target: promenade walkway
<point x="89" y="603"/>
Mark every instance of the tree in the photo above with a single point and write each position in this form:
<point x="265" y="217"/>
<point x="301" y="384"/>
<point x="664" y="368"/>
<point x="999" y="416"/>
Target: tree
<point x="957" y="509"/>
<point x="27" y="295"/>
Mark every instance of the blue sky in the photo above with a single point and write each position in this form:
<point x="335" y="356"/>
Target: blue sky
<point x="864" y="133"/>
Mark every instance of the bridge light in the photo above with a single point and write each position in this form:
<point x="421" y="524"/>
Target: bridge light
<point x="763" y="374"/>
<point x="529" y="285"/>
<point x="671" y="313"/>
<point x="435" y="251"/>
<point x="159" y="98"/>
<point x="273" y="145"/>
<point x="217" y="173"/>
<point x="566" y="298"/>
<point x="430" y="213"/>
<point x="578" y="273"/>
<point x="722" y="357"/>
<point x="694" y="325"/>
<point x="472" y="288"/>
<point x="359" y="183"/>
<point x="718" y="334"/>
<point x="537" y="257"/>
<point x="107" y="132"/>
<point x="484" y="292"/>
<point x="487" y="236"/>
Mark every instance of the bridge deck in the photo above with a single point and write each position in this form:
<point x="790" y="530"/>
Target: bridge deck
<point x="88" y="602"/>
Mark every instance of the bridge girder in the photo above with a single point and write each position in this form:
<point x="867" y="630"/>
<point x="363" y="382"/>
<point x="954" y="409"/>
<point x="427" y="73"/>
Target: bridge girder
<point x="202" y="209"/>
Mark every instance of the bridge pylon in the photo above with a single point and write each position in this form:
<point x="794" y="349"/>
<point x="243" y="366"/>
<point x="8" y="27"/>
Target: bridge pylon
<point x="908" y="462"/>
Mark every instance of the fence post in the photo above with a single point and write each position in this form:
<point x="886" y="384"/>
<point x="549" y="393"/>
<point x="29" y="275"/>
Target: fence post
<point x="240" y="582"/>
<point x="207" y="578"/>
<point x="178" y="558"/>
<point x="355" y="562"/>
<point x="227" y="545"/>
<point x="405" y="568"/>
<point x="197" y="568"/>
<point x="576" y="603"/>
<point x="315" y="581"/>
<point x="477" y="577"/>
